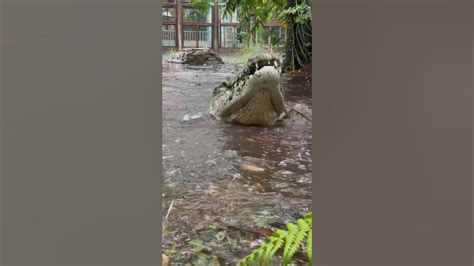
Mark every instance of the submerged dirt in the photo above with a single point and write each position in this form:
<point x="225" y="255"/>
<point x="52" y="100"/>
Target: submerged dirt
<point x="225" y="185"/>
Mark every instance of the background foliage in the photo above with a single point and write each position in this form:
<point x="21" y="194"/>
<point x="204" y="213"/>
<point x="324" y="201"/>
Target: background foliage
<point x="253" y="14"/>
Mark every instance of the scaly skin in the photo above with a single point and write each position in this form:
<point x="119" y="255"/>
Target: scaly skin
<point x="253" y="96"/>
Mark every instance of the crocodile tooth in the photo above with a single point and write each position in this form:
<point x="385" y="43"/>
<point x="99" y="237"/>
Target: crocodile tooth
<point x="256" y="66"/>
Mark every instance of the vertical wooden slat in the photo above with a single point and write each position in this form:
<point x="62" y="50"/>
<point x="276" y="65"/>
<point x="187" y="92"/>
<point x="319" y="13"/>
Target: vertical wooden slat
<point x="197" y="36"/>
<point x="218" y="28"/>
<point x="180" y="26"/>
<point x="176" y="20"/>
<point x="215" y="27"/>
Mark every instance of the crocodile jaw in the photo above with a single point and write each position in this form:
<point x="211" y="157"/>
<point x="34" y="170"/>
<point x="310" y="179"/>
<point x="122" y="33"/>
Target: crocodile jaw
<point x="260" y="101"/>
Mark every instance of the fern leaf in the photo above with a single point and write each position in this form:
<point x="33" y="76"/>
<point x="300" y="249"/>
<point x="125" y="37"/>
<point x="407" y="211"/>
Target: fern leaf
<point x="243" y="262"/>
<point x="278" y="244"/>
<point x="267" y="258"/>
<point x="273" y="238"/>
<point x="309" y="219"/>
<point x="260" y="254"/>
<point x="303" y="225"/>
<point x="248" y="260"/>
<point x="281" y="233"/>
<point x="254" y="257"/>
<point x="300" y="235"/>
<point x="309" y="247"/>
<point x="309" y="241"/>
<point x="289" y="239"/>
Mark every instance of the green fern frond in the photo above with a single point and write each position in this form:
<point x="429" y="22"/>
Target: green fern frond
<point x="303" y="225"/>
<point x="264" y="254"/>
<point x="276" y="247"/>
<point x="309" y="240"/>
<point x="309" y="247"/>
<point x="281" y="233"/>
<point x="290" y="238"/>
<point x="260" y="254"/>
<point x="289" y="241"/>
<point x="247" y="260"/>
<point x="266" y="258"/>
<point x="300" y="236"/>
<point x="309" y="218"/>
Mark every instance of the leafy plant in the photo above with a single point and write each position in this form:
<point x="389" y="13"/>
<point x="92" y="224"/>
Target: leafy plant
<point x="273" y="35"/>
<point x="253" y="14"/>
<point x="287" y="240"/>
<point x="170" y="251"/>
<point x="203" y="5"/>
<point x="300" y="12"/>
<point x="196" y="245"/>
<point x="298" y="47"/>
<point x="196" y="15"/>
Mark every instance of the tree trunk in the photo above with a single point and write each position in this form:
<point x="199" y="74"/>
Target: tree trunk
<point x="296" y="53"/>
<point x="288" y="62"/>
<point x="253" y="33"/>
<point x="215" y="28"/>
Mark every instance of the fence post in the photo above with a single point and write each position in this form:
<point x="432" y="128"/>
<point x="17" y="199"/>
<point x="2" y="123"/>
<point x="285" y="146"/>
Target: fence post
<point x="216" y="26"/>
<point x="179" y="30"/>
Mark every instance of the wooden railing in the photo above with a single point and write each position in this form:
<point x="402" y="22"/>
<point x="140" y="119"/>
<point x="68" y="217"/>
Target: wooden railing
<point x="169" y="38"/>
<point x="197" y="38"/>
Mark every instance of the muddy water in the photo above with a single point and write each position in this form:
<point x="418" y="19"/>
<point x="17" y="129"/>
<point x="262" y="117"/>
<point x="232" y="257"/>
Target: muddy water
<point x="226" y="185"/>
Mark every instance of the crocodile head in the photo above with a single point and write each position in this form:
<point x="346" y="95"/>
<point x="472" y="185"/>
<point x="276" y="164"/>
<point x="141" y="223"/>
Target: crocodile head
<point x="253" y="96"/>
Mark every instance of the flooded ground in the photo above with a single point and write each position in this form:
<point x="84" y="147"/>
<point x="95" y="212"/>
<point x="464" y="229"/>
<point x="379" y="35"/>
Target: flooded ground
<point x="225" y="185"/>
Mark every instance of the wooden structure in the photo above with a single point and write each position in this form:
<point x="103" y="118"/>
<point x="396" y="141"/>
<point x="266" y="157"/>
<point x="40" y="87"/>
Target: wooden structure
<point x="187" y="27"/>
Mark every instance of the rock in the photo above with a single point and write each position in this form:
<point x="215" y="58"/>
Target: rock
<point x="165" y="261"/>
<point x="256" y="243"/>
<point x="211" y="163"/>
<point x="192" y="117"/>
<point x="301" y="167"/>
<point x="281" y="185"/>
<point x="253" y="160"/>
<point x="230" y="154"/>
<point x="252" y="168"/>
<point x="286" y="173"/>
<point x="304" y="179"/>
<point x="196" y="116"/>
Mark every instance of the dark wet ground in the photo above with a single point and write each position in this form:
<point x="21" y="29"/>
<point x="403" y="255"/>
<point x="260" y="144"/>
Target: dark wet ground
<point x="228" y="184"/>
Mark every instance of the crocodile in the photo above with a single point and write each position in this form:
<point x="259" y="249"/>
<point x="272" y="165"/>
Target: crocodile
<point x="196" y="56"/>
<point x="253" y="96"/>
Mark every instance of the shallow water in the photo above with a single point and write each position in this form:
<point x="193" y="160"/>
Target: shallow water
<point x="228" y="184"/>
